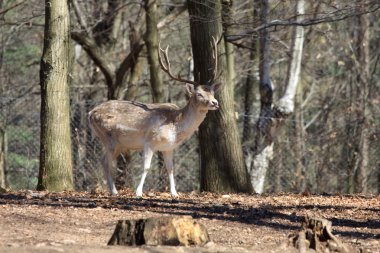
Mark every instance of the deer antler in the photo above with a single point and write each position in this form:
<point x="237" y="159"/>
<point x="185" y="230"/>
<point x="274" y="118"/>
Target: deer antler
<point x="166" y="66"/>
<point x="214" y="45"/>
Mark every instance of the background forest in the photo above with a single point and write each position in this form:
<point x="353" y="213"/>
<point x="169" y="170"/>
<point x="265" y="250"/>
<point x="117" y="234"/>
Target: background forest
<point x="328" y="144"/>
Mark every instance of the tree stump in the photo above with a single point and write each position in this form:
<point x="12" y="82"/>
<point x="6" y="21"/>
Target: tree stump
<point x="174" y="231"/>
<point x="316" y="235"/>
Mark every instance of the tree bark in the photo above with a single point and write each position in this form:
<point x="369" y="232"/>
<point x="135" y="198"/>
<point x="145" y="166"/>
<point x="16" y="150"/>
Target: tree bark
<point x="151" y="41"/>
<point x="262" y="150"/>
<point x="105" y="30"/>
<point x="222" y="165"/>
<point x="3" y="155"/>
<point x="355" y="151"/>
<point x="55" y="173"/>
<point x="363" y="45"/>
<point x="251" y="84"/>
<point x="174" y="231"/>
<point x="156" y="84"/>
<point x="300" y="173"/>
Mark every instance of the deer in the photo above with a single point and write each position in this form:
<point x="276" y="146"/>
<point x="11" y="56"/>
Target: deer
<point x="122" y="125"/>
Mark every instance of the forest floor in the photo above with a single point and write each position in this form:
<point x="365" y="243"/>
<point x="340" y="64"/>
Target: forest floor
<point x="84" y="222"/>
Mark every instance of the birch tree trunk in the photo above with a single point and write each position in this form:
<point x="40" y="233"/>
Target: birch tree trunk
<point x="251" y="84"/>
<point x="56" y="172"/>
<point x="272" y="115"/>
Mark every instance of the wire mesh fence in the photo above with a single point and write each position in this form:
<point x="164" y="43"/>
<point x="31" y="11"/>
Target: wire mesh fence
<point x="322" y="158"/>
<point x="22" y="139"/>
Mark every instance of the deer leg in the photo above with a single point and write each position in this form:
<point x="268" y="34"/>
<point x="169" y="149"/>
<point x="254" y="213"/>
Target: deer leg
<point x="168" y="158"/>
<point x="148" y="154"/>
<point x="107" y="165"/>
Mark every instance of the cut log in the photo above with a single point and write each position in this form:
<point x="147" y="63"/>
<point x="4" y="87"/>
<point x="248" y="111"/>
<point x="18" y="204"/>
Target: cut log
<point x="174" y="231"/>
<point x="316" y="235"/>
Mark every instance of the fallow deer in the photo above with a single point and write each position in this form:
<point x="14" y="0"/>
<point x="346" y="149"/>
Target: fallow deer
<point x="130" y="125"/>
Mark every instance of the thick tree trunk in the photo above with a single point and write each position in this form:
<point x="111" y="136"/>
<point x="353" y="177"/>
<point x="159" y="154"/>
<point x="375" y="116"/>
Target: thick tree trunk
<point x="222" y="165"/>
<point x="55" y="172"/>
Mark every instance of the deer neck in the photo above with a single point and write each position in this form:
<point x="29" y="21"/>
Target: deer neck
<point x="190" y="117"/>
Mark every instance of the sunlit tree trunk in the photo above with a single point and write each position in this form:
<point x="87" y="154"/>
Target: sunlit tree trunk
<point x="222" y="166"/>
<point x="55" y="173"/>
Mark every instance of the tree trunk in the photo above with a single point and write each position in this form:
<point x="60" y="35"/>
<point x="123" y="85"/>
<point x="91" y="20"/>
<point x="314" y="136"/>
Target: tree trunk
<point x="151" y="41"/>
<point x="363" y="44"/>
<point x="263" y="148"/>
<point x="300" y="174"/>
<point x="222" y="165"/>
<point x="251" y="85"/>
<point x="135" y="76"/>
<point x="227" y="19"/>
<point x="355" y="151"/>
<point x="55" y="173"/>
<point x="272" y="116"/>
<point x="158" y="94"/>
<point x="3" y="155"/>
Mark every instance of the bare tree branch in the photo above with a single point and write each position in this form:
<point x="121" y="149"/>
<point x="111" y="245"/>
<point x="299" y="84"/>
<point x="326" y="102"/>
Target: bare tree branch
<point x="92" y="50"/>
<point x="333" y="16"/>
<point x="79" y="15"/>
<point x="172" y="16"/>
<point x="3" y="11"/>
<point x="129" y="61"/>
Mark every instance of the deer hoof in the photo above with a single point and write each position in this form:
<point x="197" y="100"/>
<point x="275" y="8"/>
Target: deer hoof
<point x="175" y="195"/>
<point x="139" y="193"/>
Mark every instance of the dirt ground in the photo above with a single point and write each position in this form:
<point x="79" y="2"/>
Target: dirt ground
<point x="84" y="222"/>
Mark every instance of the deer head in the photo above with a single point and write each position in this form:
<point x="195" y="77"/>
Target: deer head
<point x="202" y="95"/>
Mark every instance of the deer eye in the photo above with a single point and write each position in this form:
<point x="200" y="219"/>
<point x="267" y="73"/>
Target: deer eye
<point x="199" y="95"/>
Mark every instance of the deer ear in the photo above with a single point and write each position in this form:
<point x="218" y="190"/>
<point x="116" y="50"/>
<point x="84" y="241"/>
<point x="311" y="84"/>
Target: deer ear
<point x="215" y="87"/>
<point x="189" y="89"/>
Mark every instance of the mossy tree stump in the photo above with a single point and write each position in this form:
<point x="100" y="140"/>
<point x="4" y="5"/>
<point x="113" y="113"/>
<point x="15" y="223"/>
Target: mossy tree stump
<point x="174" y="231"/>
